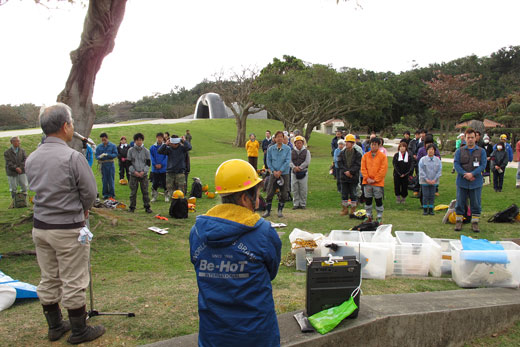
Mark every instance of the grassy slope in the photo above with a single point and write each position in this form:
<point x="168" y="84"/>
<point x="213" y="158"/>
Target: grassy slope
<point x="151" y="275"/>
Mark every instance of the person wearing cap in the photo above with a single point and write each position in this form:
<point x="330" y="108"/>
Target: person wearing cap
<point x="509" y="150"/>
<point x="252" y="147"/>
<point x="278" y="161"/>
<point x="236" y="255"/>
<point x="15" y="158"/>
<point x="349" y="164"/>
<point x="175" y="148"/>
<point x="300" y="160"/>
<point x="106" y="152"/>
<point x="335" y="157"/>
<point x="470" y="160"/>
<point x="122" y="153"/>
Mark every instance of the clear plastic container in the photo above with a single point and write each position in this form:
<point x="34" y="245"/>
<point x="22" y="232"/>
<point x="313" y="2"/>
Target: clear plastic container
<point x="468" y="271"/>
<point x="420" y="239"/>
<point x="367" y="236"/>
<point x="412" y="259"/>
<point x="445" y="255"/>
<point x="302" y="256"/>
<point x="345" y="235"/>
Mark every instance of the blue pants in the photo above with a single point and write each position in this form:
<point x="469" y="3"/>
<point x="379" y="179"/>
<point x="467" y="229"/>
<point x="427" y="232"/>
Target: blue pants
<point x="108" y="170"/>
<point x="474" y="200"/>
<point x="428" y="195"/>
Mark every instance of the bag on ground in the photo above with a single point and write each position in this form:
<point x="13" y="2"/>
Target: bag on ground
<point x="505" y="216"/>
<point x="196" y="189"/>
<point x="179" y="208"/>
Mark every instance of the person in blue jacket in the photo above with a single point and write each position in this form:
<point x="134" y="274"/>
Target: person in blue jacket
<point x="509" y="149"/>
<point x="105" y="154"/>
<point x="236" y="255"/>
<point x="469" y="162"/>
<point x="159" y="164"/>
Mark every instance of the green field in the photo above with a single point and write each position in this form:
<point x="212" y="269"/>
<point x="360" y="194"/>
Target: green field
<point x="137" y="270"/>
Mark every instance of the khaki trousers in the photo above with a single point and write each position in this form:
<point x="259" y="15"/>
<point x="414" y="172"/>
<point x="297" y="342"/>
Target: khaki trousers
<point x="63" y="262"/>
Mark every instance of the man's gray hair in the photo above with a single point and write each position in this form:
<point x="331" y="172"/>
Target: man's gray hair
<point x="52" y="117"/>
<point x="14" y="138"/>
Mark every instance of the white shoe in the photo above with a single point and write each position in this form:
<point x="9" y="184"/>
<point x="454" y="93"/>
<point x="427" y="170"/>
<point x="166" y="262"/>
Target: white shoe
<point x="167" y="199"/>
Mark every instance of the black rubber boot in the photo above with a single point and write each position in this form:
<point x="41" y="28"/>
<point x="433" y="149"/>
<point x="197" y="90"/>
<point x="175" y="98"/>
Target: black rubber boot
<point x="430" y="211"/>
<point x="280" y="208"/>
<point x="81" y="332"/>
<point x="425" y="211"/>
<point x="57" y="326"/>
<point x="267" y="212"/>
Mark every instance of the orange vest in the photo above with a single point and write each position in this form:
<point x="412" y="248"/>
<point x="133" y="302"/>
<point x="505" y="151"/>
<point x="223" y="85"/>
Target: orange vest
<point x="374" y="168"/>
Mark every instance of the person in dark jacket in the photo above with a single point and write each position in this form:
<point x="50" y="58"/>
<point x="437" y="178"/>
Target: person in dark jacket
<point x="265" y="145"/>
<point x="159" y="164"/>
<point x="349" y="164"/>
<point x="499" y="160"/>
<point x="334" y="142"/>
<point x="236" y="255"/>
<point x="403" y="167"/>
<point x="15" y="168"/>
<point x="175" y="148"/>
<point x="122" y="154"/>
<point x="106" y="152"/>
<point x="488" y="147"/>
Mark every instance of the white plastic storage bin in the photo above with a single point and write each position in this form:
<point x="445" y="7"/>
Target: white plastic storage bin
<point x="412" y="259"/>
<point x="468" y="271"/>
<point x="344" y="248"/>
<point x="345" y="235"/>
<point x="302" y="254"/>
<point x="445" y="255"/>
<point x="420" y="239"/>
<point x="367" y="236"/>
<point x="373" y="259"/>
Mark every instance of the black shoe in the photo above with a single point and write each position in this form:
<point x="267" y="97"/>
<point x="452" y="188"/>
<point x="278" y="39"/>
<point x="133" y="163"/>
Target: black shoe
<point x="301" y="207"/>
<point x="430" y="212"/>
<point x="148" y="210"/>
<point x="57" y="326"/>
<point x="81" y="332"/>
<point x="295" y="207"/>
<point x="425" y="211"/>
<point x="131" y="209"/>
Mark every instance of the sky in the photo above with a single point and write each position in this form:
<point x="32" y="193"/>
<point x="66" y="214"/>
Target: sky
<point x="166" y="43"/>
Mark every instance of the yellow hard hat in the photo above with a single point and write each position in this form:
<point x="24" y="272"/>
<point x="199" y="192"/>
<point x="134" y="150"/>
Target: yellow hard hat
<point x="123" y="181"/>
<point x="192" y="200"/>
<point x="299" y="138"/>
<point x="452" y="218"/>
<point x="205" y="188"/>
<point x="350" y="138"/>
<point x="503" y="136"/>
<point x="178" y="194"/>
<point x="210" y="195"/>
<point x="235" y="175"/>
<point x="517" y="217"/>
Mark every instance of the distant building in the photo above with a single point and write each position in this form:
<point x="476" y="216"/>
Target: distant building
<point x="329" y="127"/>
<point x="488" y="124"/>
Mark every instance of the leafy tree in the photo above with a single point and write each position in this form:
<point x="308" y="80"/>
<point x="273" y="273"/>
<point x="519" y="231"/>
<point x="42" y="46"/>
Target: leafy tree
<point x="449" y="99"/>
<point x="236" y="93"/>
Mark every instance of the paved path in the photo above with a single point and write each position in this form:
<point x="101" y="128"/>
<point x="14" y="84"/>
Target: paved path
<point x="11" y="133"/>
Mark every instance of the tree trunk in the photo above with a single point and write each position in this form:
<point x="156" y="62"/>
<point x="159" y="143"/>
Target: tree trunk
<point x="444" y="131"/>
<point x="97" y="40"/>
<point x="241" y="120"/>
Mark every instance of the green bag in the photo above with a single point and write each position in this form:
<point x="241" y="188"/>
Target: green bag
<point x="326" y="320"/>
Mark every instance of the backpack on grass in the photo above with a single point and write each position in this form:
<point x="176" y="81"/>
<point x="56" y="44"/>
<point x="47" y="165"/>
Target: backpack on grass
<point x="505" y="216"/>
<point x="179" y="208"/>
<point x="196" y="188"/>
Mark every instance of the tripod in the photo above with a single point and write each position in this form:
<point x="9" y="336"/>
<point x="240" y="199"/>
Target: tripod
<point x="93" y="312"/>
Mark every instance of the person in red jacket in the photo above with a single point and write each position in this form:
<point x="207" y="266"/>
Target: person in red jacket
<point x="374" y="166"/>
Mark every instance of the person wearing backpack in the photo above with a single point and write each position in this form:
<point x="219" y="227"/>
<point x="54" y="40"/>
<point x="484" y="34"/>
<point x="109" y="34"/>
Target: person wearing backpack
<point x="499" y="160"/>
<point x="470" y="161"/>
<point x="236" y="254"/>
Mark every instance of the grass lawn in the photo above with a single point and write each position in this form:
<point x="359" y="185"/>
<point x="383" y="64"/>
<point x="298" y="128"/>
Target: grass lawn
<point x="137" y="270"/>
